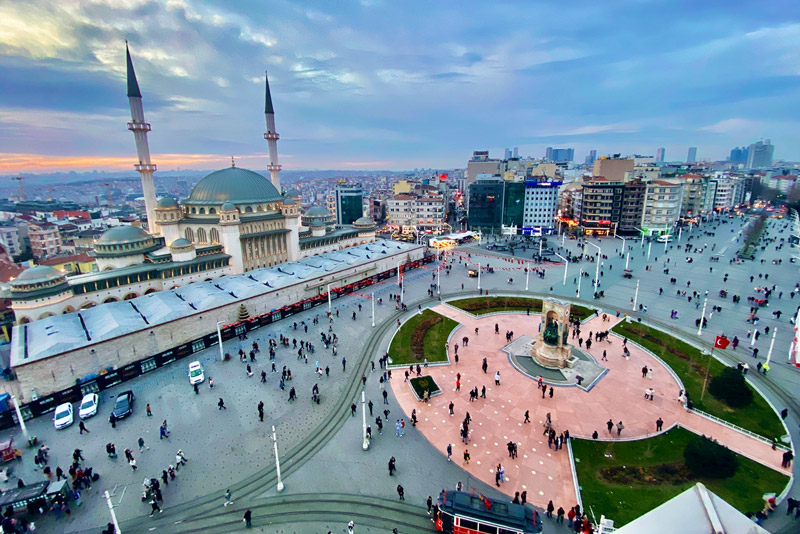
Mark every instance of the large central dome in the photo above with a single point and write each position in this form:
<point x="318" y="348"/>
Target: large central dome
<point x="233" y="184"/>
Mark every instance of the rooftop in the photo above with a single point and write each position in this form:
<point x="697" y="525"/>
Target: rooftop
<point x="61" y="333"/>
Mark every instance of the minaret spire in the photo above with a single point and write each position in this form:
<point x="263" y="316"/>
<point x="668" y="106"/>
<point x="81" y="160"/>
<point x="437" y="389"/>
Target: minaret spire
<point x="272" y="140"/>
<point x="140" y="127"/>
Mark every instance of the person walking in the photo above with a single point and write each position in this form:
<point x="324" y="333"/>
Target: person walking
<point x="154" y="506"/>
<point x="610" y="425"/>
<point x="149" y="411"/>
<point x="450" y="408"/>
<point x="261" y="411"/>
<point x="497" y="378"/>
<point x="142" y="446"/>
<point x="83" y="428"/>
<point x="353" y="409"/>
<point x="429" y="502"/>
<point x="132" y="463"/>
<point x="449" y="451"/>
<point x="221" y="404"/>
<point x="659" y="424"/>
<point x="227" y="498"/>
<point x="550" y="508"/>
<point x="344" y="364"/>
<point x="385" y="397"/>
<point x="401" y="492"/>
<point x="527" y="416"/>
<point x="369" y="405"/>
<point x="392" y="466"/>
<point x="620" y="427"/>
<point x="248" y="518"/>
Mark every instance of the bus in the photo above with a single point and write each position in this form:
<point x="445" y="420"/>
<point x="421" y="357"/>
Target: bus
<point x="460" y="512"/>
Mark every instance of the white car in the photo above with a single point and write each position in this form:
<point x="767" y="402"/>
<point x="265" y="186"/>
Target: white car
<point x="63" y="416"/>
<point x="666" y="238"/>
<point x="196" y="375"/>
<point x="88" y="406"/>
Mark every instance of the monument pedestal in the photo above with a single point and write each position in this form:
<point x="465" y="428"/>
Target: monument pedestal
<point x="551" y="348"/>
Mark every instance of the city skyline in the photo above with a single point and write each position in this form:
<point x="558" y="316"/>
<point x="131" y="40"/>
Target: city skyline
<point x="351" y="93"/>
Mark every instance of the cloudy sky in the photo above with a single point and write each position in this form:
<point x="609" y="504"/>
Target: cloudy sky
<point x="383" y="84"/>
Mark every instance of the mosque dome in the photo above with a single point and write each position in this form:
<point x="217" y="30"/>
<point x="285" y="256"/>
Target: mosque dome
<point x="317" y="211"/>
<point x="179" y="243"/>
<point x="167" y="202"/>
<point x="36" y="274"/>
<point x="233" y="184"/>
<point x="38" y="281"/>
<point x="228" y="206"/>
<point x="363" y="222"/>
<point x="122" y="234"/>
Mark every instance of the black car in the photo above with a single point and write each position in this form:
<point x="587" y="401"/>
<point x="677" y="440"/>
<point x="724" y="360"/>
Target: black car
<point x="123" y="406"/>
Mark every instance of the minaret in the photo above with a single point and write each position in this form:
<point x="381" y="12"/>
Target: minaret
<point x="140" y="128"/>
<point x="272" y="139"/>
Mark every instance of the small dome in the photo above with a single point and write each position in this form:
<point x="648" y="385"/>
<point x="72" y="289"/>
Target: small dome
<point x="363" y="222"/>
<point x="317" y="211"/>
<point x="237" y="185"/>
<point x="181" y="242"/>
<point x="167" y="202"/>
<point x="37" y="273"/>
<point x="289" y="202"/>
<point x="292" y="193"/>
<point x="122" y="234"/>
<point x="228" y="206"/>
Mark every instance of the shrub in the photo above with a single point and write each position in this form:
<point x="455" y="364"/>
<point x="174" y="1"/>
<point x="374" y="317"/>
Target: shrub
<point x="706" y="458"/>
<point x="420" y="383"/>
<point x="730" y="387"/>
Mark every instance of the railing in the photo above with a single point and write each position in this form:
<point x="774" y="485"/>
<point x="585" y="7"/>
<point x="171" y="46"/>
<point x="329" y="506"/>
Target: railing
<point x="740" y="429"/>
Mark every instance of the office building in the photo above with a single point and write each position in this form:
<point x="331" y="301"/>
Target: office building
<point x="349" y="203"/>
<point x="591" y="157"/>
<point x="660" y="155"/>
<point x="692" y="156"/>
<point x="760" y="155"/>
<point x="514" y="204"/>
<point x="515" y="155"/>
<point x="486" y="203"/>
<point x="739" y="155"/>
<point x="559" y="155"/>
<point x="541" y="206"/>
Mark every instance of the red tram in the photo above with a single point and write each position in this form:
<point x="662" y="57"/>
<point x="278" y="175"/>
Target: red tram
<point x="466" y="513"/>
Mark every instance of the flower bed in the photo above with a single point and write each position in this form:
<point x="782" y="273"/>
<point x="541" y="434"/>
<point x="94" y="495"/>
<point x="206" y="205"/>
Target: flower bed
<point x="420" y="383"/>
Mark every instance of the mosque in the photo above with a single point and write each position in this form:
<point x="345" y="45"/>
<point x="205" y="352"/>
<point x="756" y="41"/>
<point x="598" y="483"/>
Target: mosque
<point x="235" y="220"/>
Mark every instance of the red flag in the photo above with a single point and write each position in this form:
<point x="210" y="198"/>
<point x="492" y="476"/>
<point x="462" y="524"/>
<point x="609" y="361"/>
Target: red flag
<point x="721" y="342"/>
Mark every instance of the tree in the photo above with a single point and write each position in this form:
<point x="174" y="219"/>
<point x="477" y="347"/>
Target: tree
<point x="730" y="387"/>
<point x="706" y="458"/>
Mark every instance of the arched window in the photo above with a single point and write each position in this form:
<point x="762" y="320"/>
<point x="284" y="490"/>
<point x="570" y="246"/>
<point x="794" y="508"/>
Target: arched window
<point x="259" y="208"/>
<point x="189" y="234"/>
<point x="201" y="211"/>
<point x="201" y="235"/>
<point x="194" y="210"/>
<point x="214" y="235"/>
<point x="212" y="211"/>
<point x="248" y="209"/>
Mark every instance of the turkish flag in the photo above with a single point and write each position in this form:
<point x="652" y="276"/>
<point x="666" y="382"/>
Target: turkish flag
<point x="721" y="342"/>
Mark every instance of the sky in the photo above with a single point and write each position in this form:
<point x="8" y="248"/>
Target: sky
<point x="379" y="84"/>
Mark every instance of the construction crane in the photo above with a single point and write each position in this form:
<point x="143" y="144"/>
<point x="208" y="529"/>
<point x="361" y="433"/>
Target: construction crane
<point x="108" y="194"/>
<point x="21" y="189"/>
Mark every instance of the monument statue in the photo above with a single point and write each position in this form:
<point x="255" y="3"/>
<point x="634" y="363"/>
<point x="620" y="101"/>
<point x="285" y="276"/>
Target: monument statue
<point x="551" y="348"/>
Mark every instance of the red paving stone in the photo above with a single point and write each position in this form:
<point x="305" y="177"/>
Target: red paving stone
<point x="498" y="419"/>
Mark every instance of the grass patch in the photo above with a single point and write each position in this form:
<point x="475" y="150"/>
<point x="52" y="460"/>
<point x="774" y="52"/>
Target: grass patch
<point x="424" y="336"/>
<point x="690" y="365"/>
<point x="484" y="305"/>
<point x="654" y="473"/>
<point x="420" y="383"/>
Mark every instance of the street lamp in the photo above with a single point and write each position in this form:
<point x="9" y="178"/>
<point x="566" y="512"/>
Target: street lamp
<point x="597" y="271"/>
<point x="479" y="277"/>
<point x="636" y="295"/>
<point x="329" y="297"/>
<point x="527" y="272"/>
<point x="623" y="242"/>
<point x="365" y="444"/>
<point x="277" y="461"/>
<point x="219" y="342"/>
<point x="703" y="316"/>
<point x="373" y="309"/>
<point x="113" y="515"/>
<point x="20" y="420"/>
<point x="580" y="279"/>
<point x="566" y="266"/>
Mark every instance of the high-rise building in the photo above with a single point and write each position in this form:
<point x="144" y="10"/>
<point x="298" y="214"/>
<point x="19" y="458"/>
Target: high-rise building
<point x="514" y="204"/>
<point x="507" y="154"/>
<point x="486" y="202"/>
<point x="515" y="155"/>
<point x="760" y="155"/>
<point x="541" y="206"/>
<point x="739" y="154"/>
<point x="660" y="155"/>
<point x="559" y="155"/>
<point x="349" y="202"/>
<point x="692" y="156"/>
<point x="590" y="159"/>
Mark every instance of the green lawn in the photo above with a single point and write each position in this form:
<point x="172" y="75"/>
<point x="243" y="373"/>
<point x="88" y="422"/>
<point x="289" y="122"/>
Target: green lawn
<point x="424" y="336"/>
<point x="484" y="305"/>
<point x="690" y="365"/>
<point x="624" y="503"/>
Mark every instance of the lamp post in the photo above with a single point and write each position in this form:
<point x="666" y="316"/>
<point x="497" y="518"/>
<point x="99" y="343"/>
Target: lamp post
<point x="771" y="344"/>
<point x="113" y="515"/>
<point x="566" y="266"/>
<point x="439" y="279"/>
<point x="627" y="259"/>
<point x="277" y="461"/>
<point x="649" y="246"/>
<point x="365" y="445"/>
<point x="329" y="297"/>
<point x="21" y="421"/>
<point x="623" y="242"/>
<point x="597" y="270"/>
<point x="527" y="272"/>
<point x="219" y="342"/>
<point x="666" y="242"/>
<point x="702" y="317"/>
<point x="479" y="277"/>
<point x="373" y="309"/>
<point x="680" y="231"/>
<point x="580" y="279"/>
<point x="636" y="295"/>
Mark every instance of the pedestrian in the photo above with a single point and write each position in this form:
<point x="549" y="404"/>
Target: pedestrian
<point x="142" y="446"/>
<point x="787" y="459"/>
<point x="248" y="519"/>
<point x="430" y="504"/>
<point x="560" y="515"/>
<point x="401" y="492"/>
<point x="392" y="466"/>
<point x="610" y="425"/>
<point x="227" y="498"/>
<point x="550" y="508"/>
<point x="113" y="420"/>
<point x="659" y="424"/>
<point x="620" y="427"/>
<point x="466" y="456"/>
<point x="149" y="411"/>
<point x="132" y="463"/>
<point x="154" y="506"/>
<point x="344" y="364"/>
<point x="385" y="397"/>
<point x="449" y="451"/>
<point x="83" y="428"/>
<point x="350" y="526"/>
<point x="450" y="407"/>
<point x="261" y="411"/>
<point x="527" y="416"/>
<point x="551" y="392"/>
<point x="221" y="404"/>
<point x="353" y="409"/>
<point x="497" y="378"/>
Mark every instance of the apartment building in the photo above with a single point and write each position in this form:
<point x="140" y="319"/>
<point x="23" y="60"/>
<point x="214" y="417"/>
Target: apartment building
<point x="45" y="239"/>
<point x="662" y="206"/>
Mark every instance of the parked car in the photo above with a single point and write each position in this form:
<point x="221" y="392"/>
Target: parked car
<point x="88" y="406"/>
<point x="63" y="416"/>
<point x="123" y="406"/>
<point x="196" y="375"/>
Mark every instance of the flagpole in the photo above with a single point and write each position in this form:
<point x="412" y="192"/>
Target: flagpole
<point x="708" y="367"/>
